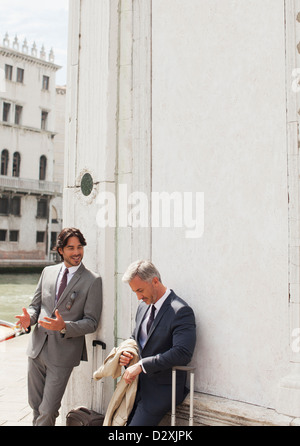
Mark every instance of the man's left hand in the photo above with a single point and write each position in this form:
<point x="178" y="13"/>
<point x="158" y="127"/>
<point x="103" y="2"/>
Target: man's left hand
<point x="53" y="324"/>
<point x="131" y="373"/>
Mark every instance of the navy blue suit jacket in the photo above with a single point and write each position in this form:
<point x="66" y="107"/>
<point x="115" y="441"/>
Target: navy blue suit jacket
<point x="170" y="342"/>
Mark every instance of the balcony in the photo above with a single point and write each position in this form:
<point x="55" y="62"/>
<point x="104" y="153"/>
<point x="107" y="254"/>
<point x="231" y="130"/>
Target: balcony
<point x="27" y="186"/>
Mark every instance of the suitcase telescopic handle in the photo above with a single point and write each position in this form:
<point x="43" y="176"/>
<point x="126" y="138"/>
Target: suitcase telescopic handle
<point x="192" y="377"/>
<point x="97" y="342"/>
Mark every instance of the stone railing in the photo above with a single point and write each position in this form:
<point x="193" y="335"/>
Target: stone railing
<point x="29" y="186"/>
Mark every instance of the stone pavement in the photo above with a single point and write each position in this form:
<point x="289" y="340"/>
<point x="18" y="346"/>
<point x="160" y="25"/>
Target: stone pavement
<point x="14" y="408"/>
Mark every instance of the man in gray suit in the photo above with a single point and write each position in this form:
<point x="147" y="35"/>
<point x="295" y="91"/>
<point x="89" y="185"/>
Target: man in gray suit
<point x="165" y="332"/>
<point x="66" y="306"/>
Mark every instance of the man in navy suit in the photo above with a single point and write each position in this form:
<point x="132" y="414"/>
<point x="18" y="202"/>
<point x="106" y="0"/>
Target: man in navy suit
<point x="165" y="332"/>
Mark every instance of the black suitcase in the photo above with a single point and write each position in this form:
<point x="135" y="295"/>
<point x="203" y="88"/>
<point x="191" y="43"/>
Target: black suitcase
<point x="82" y="416"/>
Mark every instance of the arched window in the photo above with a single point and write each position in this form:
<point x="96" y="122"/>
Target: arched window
<point x="43" y="167"/>
<point x="4" y="162"/>
<point x="54" y="215"/>
<point x="16" y="165"/>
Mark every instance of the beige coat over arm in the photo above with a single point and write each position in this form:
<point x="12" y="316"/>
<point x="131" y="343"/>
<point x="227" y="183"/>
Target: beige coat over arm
<point x="123" y="398"/>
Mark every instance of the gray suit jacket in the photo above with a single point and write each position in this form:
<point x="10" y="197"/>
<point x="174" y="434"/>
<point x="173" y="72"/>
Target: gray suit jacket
<point x="80" y="306"/>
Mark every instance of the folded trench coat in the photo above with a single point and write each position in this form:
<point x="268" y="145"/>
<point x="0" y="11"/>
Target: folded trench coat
<point x="122" y="401"/>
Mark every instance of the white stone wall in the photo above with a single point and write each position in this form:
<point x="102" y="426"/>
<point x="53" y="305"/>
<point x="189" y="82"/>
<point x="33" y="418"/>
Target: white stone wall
<point x="90" y="148"/>
<point x="219" y="127"/>
<point x="59" y="140"/>
<point x="190" y="97"/>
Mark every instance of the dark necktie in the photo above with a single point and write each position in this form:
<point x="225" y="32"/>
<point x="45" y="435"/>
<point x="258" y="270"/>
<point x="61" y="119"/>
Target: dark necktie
<point x="63" y="284"/>
<point x="151" y="318"/>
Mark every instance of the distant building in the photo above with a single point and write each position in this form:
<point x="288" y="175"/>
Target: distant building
<point x="30" y="180"/>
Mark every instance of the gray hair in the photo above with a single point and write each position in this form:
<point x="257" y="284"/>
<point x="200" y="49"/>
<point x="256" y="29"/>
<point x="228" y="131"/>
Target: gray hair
<point x="144" y="269"/>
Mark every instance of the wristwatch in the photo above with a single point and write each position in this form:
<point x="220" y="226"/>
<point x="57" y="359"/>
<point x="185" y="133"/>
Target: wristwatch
<point x="63" y="331"/>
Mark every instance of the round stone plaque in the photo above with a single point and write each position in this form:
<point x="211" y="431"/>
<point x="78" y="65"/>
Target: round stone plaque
<point x="87" y="184"/>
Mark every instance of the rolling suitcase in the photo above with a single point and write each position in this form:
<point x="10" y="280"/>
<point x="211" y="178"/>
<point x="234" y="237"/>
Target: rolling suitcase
<point x="82" y="416"/>
<point x="192" y="380"/>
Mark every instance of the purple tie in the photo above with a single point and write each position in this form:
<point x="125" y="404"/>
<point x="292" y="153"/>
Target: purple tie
<point x="62" y="285"/>
<point x="151" y="318"/>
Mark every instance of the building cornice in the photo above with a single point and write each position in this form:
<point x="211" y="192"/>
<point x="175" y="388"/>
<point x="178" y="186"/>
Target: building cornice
<point x="8" y="52"/>
<point x="28" y="129"/>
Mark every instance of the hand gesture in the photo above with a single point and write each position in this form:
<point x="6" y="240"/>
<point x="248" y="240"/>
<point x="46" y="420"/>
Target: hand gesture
<point x="53" y="324"/>
<point x="24" y="320"/>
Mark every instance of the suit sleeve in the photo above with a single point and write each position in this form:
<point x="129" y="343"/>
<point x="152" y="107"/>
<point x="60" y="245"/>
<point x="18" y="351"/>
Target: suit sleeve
<point x="34" y="308"/>
<point x="91" y="313"/>
<point x="183" y="339"/>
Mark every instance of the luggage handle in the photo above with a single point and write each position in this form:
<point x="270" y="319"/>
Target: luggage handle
<point x="192" y="382"/>
<point x="97" y="342"/>
<point x="85" y="410"/>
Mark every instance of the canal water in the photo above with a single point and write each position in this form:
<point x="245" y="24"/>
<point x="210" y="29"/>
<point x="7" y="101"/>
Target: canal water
<point x="16" y="292"/>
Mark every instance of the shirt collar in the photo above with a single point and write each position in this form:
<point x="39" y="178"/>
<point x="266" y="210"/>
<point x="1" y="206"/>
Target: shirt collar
<point x="72" y="269"/>
<point x="160" y="301"/>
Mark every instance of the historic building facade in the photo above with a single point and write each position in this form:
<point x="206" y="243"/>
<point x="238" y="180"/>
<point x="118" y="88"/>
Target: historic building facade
<point x="198" y="102"/>
<point x="30" y="195"/>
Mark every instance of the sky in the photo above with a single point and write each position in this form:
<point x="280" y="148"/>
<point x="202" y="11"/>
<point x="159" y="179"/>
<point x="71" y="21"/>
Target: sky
<point x="40" y="21"/>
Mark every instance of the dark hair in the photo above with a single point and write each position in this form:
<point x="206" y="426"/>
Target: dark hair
<point x="64" y="236"/>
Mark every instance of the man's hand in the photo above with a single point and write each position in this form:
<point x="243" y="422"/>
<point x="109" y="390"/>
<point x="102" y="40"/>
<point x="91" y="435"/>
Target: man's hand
<point x="125" y="358"/>
<point x="131" y="373"/>
<point x="53" y="324"/>
<point x="24" y="320"/>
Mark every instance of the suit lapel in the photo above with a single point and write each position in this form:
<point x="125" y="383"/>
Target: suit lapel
<point x="53" y="281"/>
<point x="139" y="320"/>
<point x="141" y="316"/>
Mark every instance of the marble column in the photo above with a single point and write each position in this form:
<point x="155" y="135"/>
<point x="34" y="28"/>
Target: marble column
<point x="288" y="401"/>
